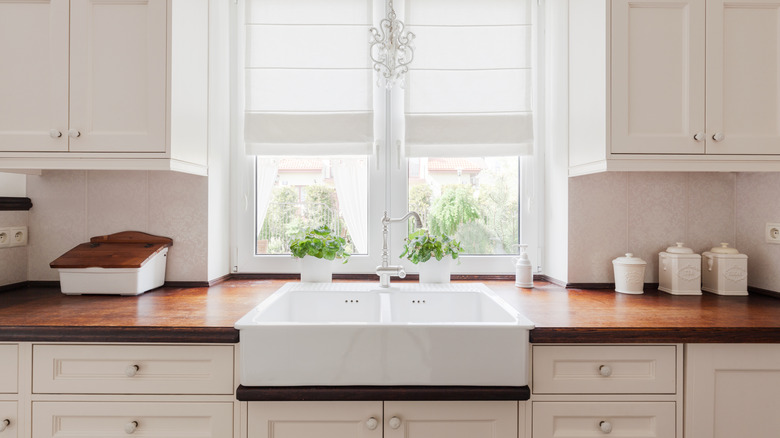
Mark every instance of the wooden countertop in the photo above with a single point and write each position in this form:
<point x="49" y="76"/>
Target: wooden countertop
<point x="207" y="315"/>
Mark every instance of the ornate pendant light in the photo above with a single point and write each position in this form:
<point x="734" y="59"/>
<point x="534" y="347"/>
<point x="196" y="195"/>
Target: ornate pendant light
<point x="391" y="50"/>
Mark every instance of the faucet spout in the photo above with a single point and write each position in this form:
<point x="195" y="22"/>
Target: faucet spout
<point x="385" y="270"/>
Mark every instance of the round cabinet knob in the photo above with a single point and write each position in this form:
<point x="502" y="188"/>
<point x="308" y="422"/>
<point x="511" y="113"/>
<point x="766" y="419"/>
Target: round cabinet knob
<point x="55" y="133"/>
<point x="372" y="423"/>
<point x="605" y="426"/>
<point x="74" y="133"/>
<point x="605" y="370"/>
<point x="394" y="423"/>
<point x="699" y="136"/>
<point x="719" y="136"/>
<point x="132" y="370"/>
<point x="4" y="424"/>
<point x="131" y="427"/>
<point x="401" y="273"/>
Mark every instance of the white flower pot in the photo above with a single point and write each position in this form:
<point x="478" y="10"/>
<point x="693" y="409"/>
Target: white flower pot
<point x="314" y="270"/>
<point x="435" y="271"/>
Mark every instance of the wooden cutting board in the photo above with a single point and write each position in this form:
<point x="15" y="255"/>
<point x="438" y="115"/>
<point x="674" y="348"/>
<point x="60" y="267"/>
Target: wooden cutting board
<point x="128" y="249"/>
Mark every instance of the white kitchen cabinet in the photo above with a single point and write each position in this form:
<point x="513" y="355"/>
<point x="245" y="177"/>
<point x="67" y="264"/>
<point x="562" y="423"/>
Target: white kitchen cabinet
<point x="400" y="419"/>
<point x="732" y="390"/>
<point x="90" y="419"/>
<point x="108" y="84"/>
<point x="9" y="368"/>
<point x="682" y="85"/>
<point x="594" y="390"/>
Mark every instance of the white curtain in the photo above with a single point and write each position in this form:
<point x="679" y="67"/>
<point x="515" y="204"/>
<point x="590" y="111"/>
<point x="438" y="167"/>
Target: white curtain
<point x="266" y="177"/>
<point x="308" y="77"/>
<point x="470" y="86"/>
<point x="349" y="176"/>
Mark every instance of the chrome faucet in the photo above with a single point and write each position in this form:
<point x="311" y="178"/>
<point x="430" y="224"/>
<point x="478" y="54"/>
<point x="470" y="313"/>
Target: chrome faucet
<point x="385" y="271"/>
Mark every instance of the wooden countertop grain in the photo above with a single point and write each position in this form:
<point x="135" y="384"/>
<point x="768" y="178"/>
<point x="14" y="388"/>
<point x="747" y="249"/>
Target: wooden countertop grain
<point x="207" y="315"/>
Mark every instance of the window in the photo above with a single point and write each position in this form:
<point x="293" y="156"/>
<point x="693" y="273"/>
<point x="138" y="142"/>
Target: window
<point x="321" y="143"/>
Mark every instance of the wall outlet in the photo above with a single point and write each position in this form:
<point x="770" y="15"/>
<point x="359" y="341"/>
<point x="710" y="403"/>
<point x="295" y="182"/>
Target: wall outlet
<point x="18" y="236"/>
<point x="772" y="232"/>
<point x="5" y="237"/>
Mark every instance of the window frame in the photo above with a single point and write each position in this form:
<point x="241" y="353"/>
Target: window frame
<point x="388" y="186"/>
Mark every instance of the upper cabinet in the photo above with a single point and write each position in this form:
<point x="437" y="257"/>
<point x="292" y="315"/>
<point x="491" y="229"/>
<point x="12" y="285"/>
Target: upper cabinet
<point x="681" y="85"/>
<point x="104" y="84"/>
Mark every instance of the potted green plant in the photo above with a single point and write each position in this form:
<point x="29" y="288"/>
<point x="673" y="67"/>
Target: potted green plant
<point x="433" y="255"/>
<point x="318" y="248"/>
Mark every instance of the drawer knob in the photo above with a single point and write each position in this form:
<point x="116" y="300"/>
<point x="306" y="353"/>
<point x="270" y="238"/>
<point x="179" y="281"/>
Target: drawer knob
<point x="372" y="423"/>
<point x="699" y="136"/>
<point x="131" y="370"/>
<point x="605" y="370"/>
<point x="74" y="133"/>
<point x="131" y="427"/>
<point x="4" y="424"/>
<point x="395" y="422"/>
<point x="718" y="136"/>
<point x="605" y="426"/>
<point x="53" y="133"/>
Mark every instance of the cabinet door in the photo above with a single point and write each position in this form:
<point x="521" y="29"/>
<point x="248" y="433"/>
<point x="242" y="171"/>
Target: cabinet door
<point x="115" y="419"/>
<point x="452" y="419"/>
<point x="315" y="420"/>
<point x="34" y="72"/>
<point x="118" y="53"/>
<point x="743" y="76"/>
<point x="9" y="417"/>
<point x="732" y="391"/>
<point x="9" y="368"/>
<point x="613" y="419"/>
<point x="657" y="79"/>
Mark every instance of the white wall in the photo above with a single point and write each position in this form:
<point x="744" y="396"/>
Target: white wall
<point x="70" y="207"/>
<point x="13" y="185"/>
<point x="757" y="203"/>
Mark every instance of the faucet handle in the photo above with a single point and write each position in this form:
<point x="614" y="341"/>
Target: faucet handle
<point x="401" y="272"/>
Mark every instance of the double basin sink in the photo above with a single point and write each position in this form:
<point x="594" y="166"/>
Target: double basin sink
<point x="315" y="334"/>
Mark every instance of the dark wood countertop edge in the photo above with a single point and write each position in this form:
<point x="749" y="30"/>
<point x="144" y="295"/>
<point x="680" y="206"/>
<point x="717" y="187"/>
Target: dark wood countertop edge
<point x="194" y="335"/>
<point x="381" y="393"/>
<point x="676" y="335"/>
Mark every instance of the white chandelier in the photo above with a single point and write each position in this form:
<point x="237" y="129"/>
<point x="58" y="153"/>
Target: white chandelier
<point x="391" y="50"/>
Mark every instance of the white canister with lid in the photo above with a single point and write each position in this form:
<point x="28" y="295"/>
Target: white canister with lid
<point x="679" y="271"/>
<point x="724" y="271"/>
<point x="524" y="276"/>
<point x="629" y="274"/>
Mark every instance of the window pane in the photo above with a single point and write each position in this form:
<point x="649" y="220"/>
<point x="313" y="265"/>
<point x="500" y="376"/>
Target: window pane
<point x="473" y="200"/>
<point x="294" y="193"/>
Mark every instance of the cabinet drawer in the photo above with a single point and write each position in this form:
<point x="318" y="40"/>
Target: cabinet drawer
<point x="115" y="419"/>
<point x="132" y="369"/>
<point x="9" y="417"/>
<point x="9" y="368"/>
<point x="616" y="420"/>
<point x="604" y="369"/>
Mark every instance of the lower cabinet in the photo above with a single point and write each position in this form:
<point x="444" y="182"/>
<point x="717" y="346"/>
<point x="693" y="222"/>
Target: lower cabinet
<point x="114" y="419"/>
<point x="732" y="390"/>
<point x="616" y="419"/>
<point x="9" y="417"/>
<point x="402" y="419"/>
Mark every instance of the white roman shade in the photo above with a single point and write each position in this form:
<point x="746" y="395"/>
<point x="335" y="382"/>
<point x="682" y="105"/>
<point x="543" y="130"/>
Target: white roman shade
<point x="308" y="79"/>
<point x="469" y="90"/>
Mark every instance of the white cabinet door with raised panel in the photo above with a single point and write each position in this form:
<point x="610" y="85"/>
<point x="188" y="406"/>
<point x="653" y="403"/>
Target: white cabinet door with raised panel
<point x="612" y="419"/>
<point x="9" y="368"/>
<point x="743" y="77"/>
<point x="117" y="419"/>
<point x="33" y="75"/>
<point x="658" y="64"/>
<point x="9" y="417"/>
<point x="118" y="52"/>
<point x="452" y="419"/>
<point x="315" y="419"/>
<point x="732" y="390"/>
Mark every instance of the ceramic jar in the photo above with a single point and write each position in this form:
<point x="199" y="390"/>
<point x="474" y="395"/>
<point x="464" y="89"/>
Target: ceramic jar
<point x="629" y="274"/>
<point x="679" y="271"/>
<point x="316" y="270"/>
<point x="435" y="271"/>
<point x="724" y="271"/>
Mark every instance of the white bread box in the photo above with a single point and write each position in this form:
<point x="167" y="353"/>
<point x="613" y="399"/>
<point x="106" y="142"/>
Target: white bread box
<point x="126" y="263"/>
<point x="679" y="271"/>
<point x="724" y="271"/>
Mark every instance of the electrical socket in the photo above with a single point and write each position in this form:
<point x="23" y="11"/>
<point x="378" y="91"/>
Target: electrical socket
<point x="5" y="237"/>
<point x="18" y="236"/>
<point x="772" y="233"/>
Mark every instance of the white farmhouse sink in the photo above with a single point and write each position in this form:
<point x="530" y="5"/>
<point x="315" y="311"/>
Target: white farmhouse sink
<point x="311" y="334"/>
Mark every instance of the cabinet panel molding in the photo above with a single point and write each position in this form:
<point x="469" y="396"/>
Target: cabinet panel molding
<point x="9" y="368"/>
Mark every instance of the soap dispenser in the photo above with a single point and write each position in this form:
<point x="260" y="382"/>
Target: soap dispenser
<point x="524" y="276"/>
